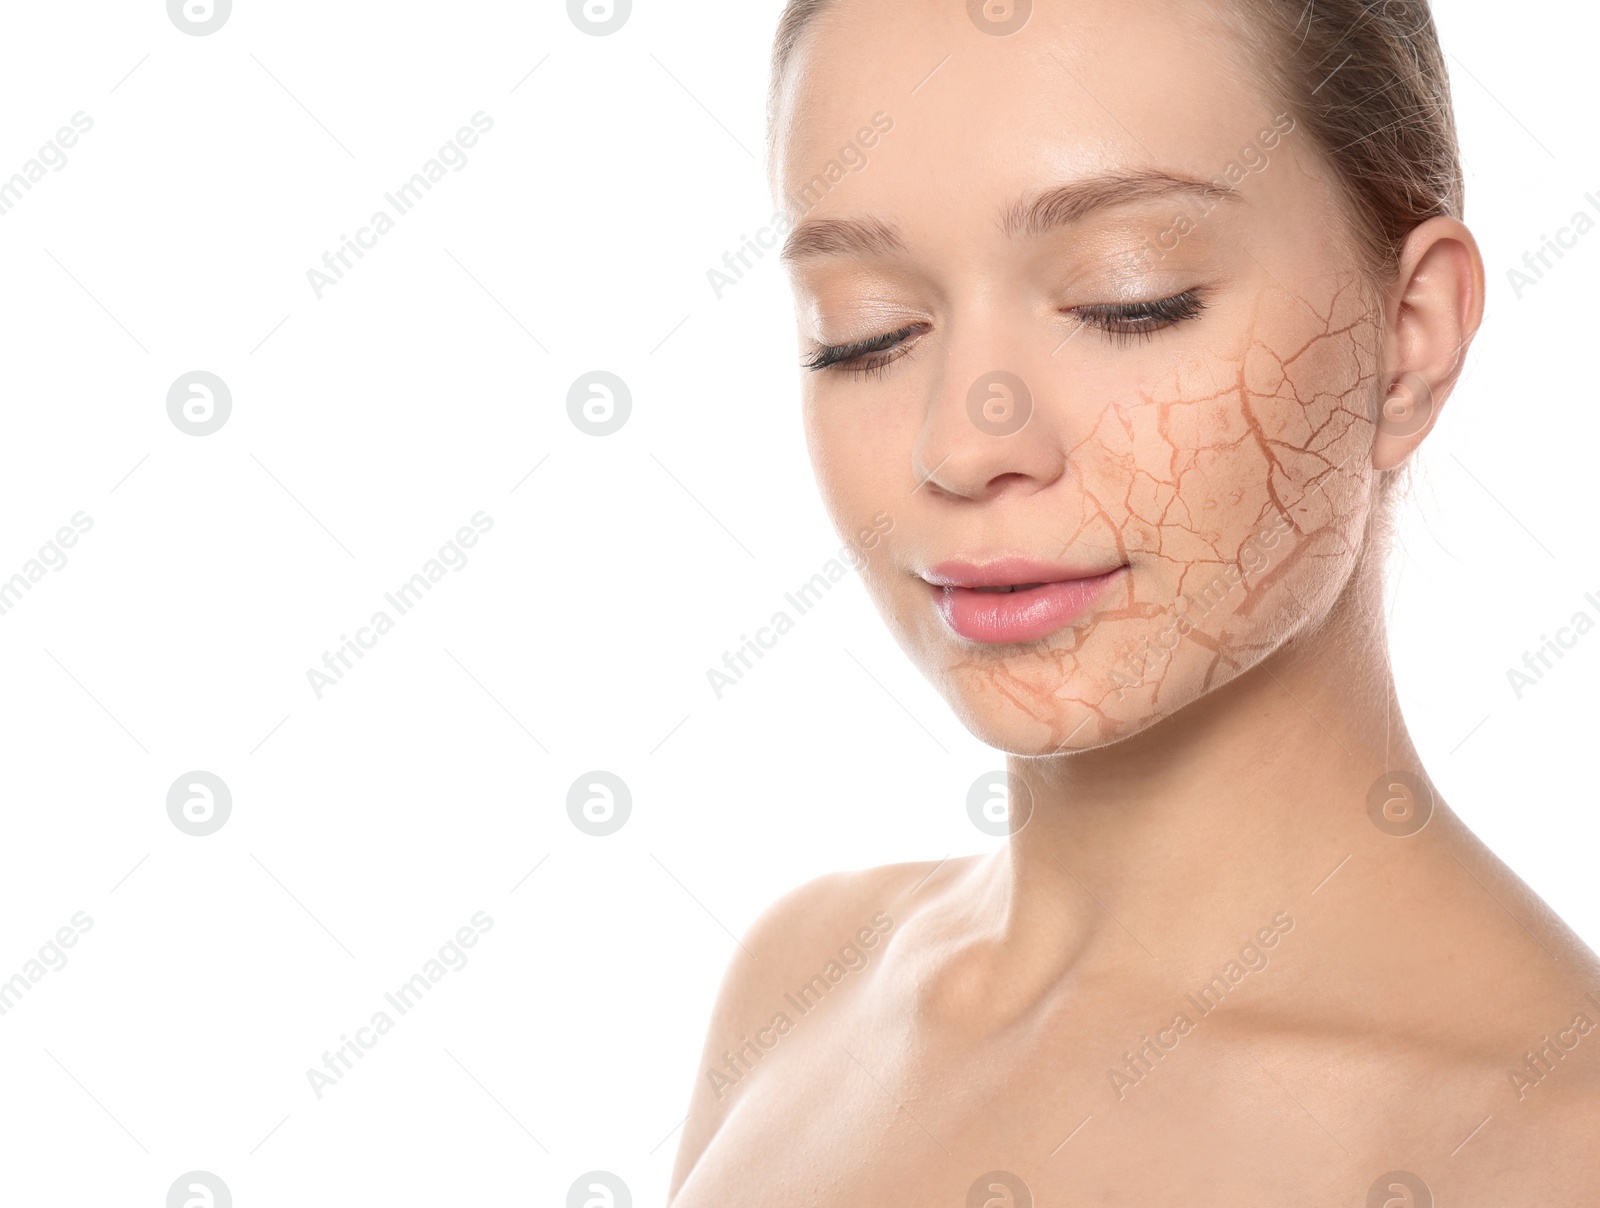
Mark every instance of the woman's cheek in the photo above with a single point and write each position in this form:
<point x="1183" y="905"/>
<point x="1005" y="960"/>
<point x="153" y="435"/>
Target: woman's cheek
<point x="1238" y="490"/>
<point x="846" y="463"/>
<point x="1290" y="520"/>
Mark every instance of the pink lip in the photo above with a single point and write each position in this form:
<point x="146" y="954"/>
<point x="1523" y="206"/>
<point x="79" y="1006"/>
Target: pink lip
<point x="1047" y="598"/>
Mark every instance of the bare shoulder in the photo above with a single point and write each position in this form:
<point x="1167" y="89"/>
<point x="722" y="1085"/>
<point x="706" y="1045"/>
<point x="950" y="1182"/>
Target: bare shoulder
<point x="812" y="923"/>
<point x="831" y="923"/>
<point x="823" y="913"/>
<point x="1542" y="1149"/>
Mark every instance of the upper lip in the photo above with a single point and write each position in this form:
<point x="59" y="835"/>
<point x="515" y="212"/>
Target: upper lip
<point x="1008" y="572"/>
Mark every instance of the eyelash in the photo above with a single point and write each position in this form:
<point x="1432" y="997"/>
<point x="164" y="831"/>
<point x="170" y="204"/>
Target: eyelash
<point x="1124" y="321"/>
<point x="1121" y="321"/>
<point x="868" y="356"/>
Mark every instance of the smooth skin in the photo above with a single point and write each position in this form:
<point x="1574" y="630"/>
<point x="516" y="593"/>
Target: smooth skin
<point x="1209" y="813"/>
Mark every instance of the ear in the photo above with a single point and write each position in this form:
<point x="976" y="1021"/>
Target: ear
<point x="1432" y="311"/>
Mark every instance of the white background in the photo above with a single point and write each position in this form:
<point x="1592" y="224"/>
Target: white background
<point x="369" y="425"/>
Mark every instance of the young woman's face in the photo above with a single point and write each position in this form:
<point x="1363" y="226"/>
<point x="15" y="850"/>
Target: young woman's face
<point x="1085" y="321"/>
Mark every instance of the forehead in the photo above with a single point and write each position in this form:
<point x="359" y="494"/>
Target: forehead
<point x="1085" y="87"/>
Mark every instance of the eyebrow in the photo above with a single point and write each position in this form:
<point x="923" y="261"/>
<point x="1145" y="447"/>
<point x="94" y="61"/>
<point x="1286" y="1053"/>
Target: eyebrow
<point x="821" y="237"/>
<point x="1030" y="217"/>
<point x="1073" y="202"/>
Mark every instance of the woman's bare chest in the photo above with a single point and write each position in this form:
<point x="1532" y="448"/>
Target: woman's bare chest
<point x="873" y="1108"/>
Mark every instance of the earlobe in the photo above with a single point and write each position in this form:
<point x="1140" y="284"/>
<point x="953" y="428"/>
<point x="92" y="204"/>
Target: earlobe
<point x="1404" y="419"/>
<point x="1435" y="307"/>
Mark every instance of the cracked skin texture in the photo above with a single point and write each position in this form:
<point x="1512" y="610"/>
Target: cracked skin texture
<point x="1180" y="483"/>
<point x="1186" y="787"/>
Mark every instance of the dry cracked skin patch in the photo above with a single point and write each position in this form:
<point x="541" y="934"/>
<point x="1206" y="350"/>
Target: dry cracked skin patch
<point x="1237" y="490"/>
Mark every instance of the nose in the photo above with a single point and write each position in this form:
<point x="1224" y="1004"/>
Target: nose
<point x="989" y="430"/>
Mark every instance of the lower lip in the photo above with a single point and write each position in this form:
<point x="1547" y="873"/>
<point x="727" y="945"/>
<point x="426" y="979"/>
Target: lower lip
<point x="999" y="617"/>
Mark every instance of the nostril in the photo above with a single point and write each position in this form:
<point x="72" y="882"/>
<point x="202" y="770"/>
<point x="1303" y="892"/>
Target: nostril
<point x="1010" y="481"/>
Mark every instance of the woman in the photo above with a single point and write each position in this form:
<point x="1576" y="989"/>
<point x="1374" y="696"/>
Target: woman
<point x="1118" y="333"/>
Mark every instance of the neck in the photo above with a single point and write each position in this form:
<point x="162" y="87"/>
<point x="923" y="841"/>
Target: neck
<point x="1230" y="808"/>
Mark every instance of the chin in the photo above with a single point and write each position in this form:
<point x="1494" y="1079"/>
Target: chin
<point x="1023" y="705"/>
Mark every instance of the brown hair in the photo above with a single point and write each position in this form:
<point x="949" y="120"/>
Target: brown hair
<point x="1365" y="79"/>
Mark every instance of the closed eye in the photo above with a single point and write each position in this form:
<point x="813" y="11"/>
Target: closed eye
<point x="1124" y="321"/>
<point x="869" y="355"/>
